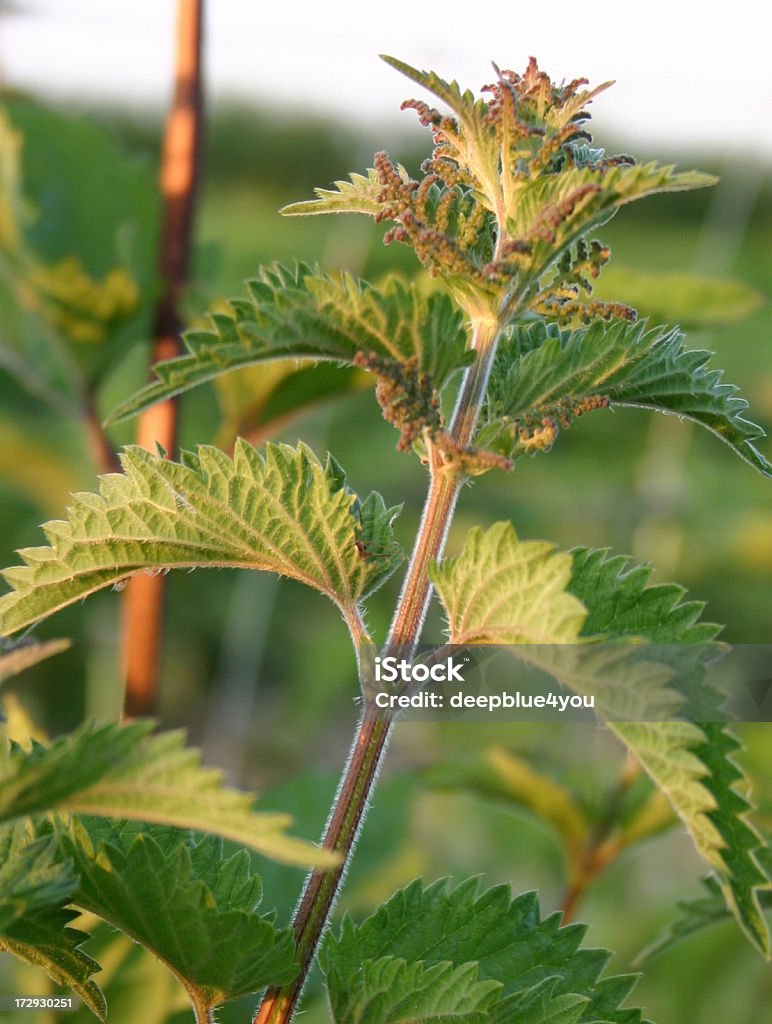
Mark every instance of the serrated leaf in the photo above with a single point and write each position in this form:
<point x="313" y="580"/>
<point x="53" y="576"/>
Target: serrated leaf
<point x="15" y="658"/>
<point x="703" y="911"/>
<point x="675" y="379"/>
<point x="138" y="988"/>
<point x="509" y="189"/>
<point x="48" y="940"/>
<point x="489" y="597"/>
<point x="123" y="772"/>
<point x="621" y="603"/>
<point x="280" y="512"/>
<point x="392" y="991"/>
<point x="543" y="372"/>
<point x="591" y="195"/>
<point x="181" y="899"/>
<point x="357" y="195"/>
<point x="31" y="878"/>
<point x="502" y="591"/>
<point x="460" y="103"/>
<point x="539" y="1005"/>
<point x="696" y="914"/>
<point x="302" y="313"/>
<point x="533" y="959"/>
<point x="35" y="925"/>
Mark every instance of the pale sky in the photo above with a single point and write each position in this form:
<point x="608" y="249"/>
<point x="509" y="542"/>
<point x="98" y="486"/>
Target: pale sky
<point x="692" y="74"/>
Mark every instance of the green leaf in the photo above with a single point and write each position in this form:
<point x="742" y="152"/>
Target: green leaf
<point x="703" y="911"/>
<point x="499" y="591"/>
<point x="357" y="195"/>
<point x="535" y="961"/>
<point x="509" y="189"/>
<point x="34" y="923"/>
<point x="281" y="512"/>
<point x="14" y="658"/>
<point x="182" y="900"/>
<point x="122" y="772"/>
<point x="47" y="940"/>
<point x="590" y="195"/>
<point x="539" y="1006"/>
<point x="502" y="591"/>
<point x="302" y="313"/>
<point x="696" y="914"/>
<point x="622" y="604"/>
<point x="389" y="990"/>
<point x="30" y="876"/>
<point x="138" y="988"/>
<point x="544" y="376"/>
<point x="462" y="104"/>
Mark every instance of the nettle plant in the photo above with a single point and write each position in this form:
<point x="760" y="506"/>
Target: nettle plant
<point x="489" y="365"/>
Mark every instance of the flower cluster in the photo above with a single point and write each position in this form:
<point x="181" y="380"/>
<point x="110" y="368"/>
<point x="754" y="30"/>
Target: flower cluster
<point x="505" y="194"/>
<point x="444" y="225"/>
<point x="405" y="394"/>
<point x="537" y="430"/>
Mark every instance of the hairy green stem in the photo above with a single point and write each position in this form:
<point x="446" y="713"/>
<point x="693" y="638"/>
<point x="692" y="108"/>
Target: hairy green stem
<point x="373" y="730"/>
<point x="443" y="493"/>
<point x="202" y="1009"/>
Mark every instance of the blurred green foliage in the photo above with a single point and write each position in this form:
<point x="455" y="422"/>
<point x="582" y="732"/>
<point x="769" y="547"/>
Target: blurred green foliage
<point x="260" y="671"/>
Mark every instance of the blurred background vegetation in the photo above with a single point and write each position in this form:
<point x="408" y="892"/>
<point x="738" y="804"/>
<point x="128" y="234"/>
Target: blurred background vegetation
<point x="258" y="670"/>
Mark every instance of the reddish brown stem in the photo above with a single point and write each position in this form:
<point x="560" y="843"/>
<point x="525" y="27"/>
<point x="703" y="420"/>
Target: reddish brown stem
<point x="143" y="603"/>
<point x="373" y="733"/>
<point x="322" y="886"/>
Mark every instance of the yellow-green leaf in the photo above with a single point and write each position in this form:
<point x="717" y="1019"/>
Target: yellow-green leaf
<point x="282" y="512"/>
<point x="122" y="772"/>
